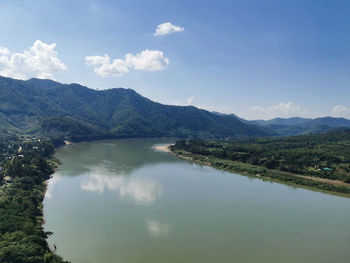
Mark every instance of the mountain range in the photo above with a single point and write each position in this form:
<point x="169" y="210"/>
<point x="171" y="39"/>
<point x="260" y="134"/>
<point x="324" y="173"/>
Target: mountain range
<point x="46" y="107"/>
<point x="297" y="125"/>
<point x="50" y="108"/>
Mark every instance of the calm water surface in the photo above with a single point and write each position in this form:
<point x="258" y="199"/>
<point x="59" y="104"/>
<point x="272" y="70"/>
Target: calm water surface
<point x="122" y="201"/>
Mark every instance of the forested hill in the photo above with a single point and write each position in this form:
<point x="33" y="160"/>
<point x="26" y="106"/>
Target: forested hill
<point x="48" y="107"/>
<point x="297" y="126"/>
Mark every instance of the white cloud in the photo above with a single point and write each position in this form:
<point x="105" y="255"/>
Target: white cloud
<point x="148" y="60"/>
<point x="341" y="111"/>
<point x="189" y="100"/>
<point x="283" y="110"/>
<point x="104" y="68"/>
<point x="39" y="61"/>
<point x="4" y="51"/>
<point x="166" y="29"/>
<point x="187" y="103"/>
<point x="222" y="109"/>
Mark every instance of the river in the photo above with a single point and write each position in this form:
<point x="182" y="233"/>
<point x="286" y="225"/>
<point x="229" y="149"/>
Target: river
<point x="122" y="201"/>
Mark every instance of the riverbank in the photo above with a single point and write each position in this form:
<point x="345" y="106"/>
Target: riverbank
<point x="22" y="235"/>
<point x="260" y="172"/>
<point x="163" y="148"/>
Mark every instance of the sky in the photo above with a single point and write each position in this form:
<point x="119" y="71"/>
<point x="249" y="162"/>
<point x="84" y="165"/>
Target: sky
<point x="256" y="59"/>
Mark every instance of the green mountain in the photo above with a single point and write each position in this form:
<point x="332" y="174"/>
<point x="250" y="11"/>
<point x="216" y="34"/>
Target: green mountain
<point x="47" y="107"/>
<point x="297" y="125"/>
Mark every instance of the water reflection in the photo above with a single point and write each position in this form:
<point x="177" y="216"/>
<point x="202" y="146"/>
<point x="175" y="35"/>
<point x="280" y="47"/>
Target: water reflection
<point x="156" y="228"/>
<point x="118" y="156"/>
<point x="100" y="182"/>
<point x="141" y="190"/>
<point x="115" y="164"/>
<point x="51" y="185"/>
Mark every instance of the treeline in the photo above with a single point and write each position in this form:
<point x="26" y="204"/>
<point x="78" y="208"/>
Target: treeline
<point x="50" y="108"/>
<point x="324" y="156"/>
<point x="22" y="237"/>
<point x="8" y="147"/>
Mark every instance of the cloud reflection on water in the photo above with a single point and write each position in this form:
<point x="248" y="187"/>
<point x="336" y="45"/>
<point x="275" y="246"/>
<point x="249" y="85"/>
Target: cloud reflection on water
<point x="156" y="228"/>
<point x="140" y="189"/>
<point x="51" y="185"/>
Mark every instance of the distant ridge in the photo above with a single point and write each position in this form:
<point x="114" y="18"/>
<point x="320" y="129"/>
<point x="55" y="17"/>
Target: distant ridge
<point x="47" y="107"/>
<point x="50" y="108"/>
<point x="298" y="125"/>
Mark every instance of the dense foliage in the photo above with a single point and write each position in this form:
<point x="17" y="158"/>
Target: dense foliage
<point x="309" y="156"/>
<point x="51" y="108"/>
<point x="47" y="107"/>
<point x="22" y="237"/>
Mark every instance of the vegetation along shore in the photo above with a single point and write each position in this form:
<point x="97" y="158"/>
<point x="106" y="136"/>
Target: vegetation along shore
<point x="319" y="162"/>
<point x="26" y="165"/>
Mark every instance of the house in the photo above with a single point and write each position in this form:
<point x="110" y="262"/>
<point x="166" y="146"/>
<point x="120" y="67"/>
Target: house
<point x="7" y="179"/>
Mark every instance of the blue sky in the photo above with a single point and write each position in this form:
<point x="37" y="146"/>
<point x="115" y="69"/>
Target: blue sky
<point x="257" y="59"/>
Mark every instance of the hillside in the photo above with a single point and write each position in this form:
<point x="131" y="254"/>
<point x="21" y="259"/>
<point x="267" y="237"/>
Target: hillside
<point x="299" y="126"/>
<point x="50" y="108"/>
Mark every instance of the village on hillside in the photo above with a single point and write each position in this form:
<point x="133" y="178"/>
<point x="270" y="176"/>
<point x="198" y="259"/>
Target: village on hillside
<point x="12" y="147"/>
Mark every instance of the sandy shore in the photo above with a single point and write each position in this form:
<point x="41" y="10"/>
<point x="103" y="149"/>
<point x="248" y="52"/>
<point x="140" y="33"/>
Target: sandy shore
<point x="162" y="148"/>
